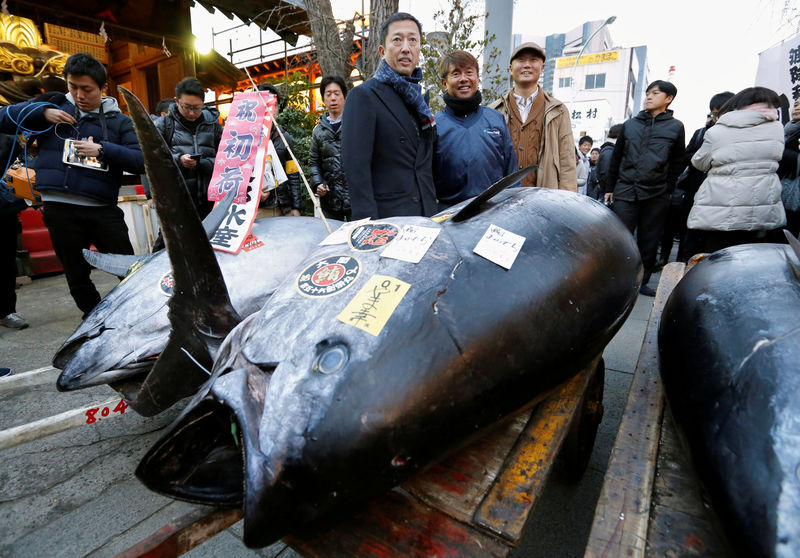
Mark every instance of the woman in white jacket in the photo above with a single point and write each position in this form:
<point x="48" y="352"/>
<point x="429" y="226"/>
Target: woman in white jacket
<point x="740" y="200"/>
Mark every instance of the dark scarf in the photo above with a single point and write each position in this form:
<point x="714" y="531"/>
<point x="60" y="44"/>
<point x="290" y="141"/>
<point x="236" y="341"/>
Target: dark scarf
<point x="410" y="91"/>
<point x="462" y="107"/>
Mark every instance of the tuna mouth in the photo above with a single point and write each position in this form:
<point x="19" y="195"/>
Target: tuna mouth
<point x="202" y="456"/>
<point x="73" y="376"/>
<point x="201" y="460"/>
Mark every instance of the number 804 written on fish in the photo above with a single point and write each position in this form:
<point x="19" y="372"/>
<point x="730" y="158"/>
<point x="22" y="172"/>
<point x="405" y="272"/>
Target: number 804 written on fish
<point x="90" y="414"/>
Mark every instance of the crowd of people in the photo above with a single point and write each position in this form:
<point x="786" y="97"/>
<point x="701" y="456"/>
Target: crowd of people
<point x="378" y="151"/>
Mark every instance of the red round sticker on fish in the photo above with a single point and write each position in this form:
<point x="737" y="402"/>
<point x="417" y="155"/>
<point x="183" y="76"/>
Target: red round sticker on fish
<point x="166" y="284"/>
<point x="372" y="236"/>
<point x="328" y="276"/>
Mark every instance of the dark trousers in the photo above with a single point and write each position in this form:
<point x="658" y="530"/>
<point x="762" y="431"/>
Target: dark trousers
<point x="75" y="227"/>
<point x="708" y="242"/>
<point x="646" y="218"/>
<point x="341" y="215"/>
<point x="9" y="228"/>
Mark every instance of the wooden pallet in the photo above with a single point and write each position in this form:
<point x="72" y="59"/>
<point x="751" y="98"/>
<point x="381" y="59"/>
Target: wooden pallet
<point x="473" y="503"/>
<point x="651" y="504"/>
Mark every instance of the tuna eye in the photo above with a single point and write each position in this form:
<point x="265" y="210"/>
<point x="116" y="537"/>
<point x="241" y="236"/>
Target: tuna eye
<point x="331" y="359"/>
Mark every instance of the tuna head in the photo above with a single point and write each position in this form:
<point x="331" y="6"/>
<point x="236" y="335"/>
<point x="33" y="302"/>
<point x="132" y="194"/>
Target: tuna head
<point x="383" y="366"/>
<point x="124" y="334"/>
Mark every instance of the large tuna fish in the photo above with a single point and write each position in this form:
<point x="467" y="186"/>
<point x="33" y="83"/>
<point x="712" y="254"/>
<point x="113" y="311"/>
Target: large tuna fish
<point x="128" y="340"/>
<point x="125" y="334"/>
<point x="384" y="365"/>
<point x="729" y="344"/>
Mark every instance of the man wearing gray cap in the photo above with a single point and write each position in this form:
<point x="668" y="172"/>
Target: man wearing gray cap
<point x="539" y="124"/>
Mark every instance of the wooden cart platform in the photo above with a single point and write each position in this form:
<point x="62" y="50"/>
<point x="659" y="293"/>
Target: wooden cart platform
<point x="474" y="503"/>
<point x="651" y="502"/>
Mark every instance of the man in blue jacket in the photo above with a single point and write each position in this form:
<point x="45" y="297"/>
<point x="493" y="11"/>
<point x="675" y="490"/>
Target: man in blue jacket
<point x="473" y="148"/>
<point x="85" y="145"/>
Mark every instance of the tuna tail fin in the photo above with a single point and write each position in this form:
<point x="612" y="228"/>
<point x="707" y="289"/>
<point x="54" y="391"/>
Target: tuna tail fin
<point x="795" y="244"/>
<point x="200" y="310"/>
<point x="121" y="264"/>
<point x="115" y="264"/>
<point x="474" y="207"/>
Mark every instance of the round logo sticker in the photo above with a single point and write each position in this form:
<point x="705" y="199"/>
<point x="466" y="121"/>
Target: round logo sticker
<point x="328" y="276"/>
<point x="371" y="236"/>
<point x="166" y="284"/>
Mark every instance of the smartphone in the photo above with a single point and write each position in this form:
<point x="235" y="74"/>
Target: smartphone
<point x="195" y="156"/>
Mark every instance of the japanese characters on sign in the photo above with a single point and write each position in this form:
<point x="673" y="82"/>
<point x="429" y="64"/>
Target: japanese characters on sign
<point x="241" y="140"/>
<point x="251" y="242"/>
<point x="499" y="246"/>
<point x="235" y="227"/>
<point x="372" y="236"/>
<point x="413" y="243"/>
<point x="794" y="71"/>
<point x="595" y="58"/>
<point x="328" y="276"/>
<point x="374" y="304"/>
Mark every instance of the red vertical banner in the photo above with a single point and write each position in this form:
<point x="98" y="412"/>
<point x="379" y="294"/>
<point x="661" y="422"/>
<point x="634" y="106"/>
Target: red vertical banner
<point x="248" y="119"/>
<point x="245" y="174"/>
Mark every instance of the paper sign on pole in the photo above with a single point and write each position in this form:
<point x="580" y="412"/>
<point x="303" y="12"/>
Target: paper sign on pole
<point x="249" y="118"/>
<point x="241" y="164"/>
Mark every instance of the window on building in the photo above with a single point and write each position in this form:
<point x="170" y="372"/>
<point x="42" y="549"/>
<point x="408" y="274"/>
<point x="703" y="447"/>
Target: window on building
<point x="595" y="81"/>
<point x="564" y="82"/>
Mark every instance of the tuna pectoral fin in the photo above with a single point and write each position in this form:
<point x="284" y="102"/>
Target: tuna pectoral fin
<point x="474" y="207"/>
<point x="214" y="219"/>
<point x="115" y="264"/>
<point x="179" y="371"/>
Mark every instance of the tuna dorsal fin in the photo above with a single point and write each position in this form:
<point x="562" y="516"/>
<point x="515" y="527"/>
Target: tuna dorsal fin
<point x="115" y="264"/>
<point x="795" y="244"/>
<point x="474" y="207"/>
<point x="200" y="301"/>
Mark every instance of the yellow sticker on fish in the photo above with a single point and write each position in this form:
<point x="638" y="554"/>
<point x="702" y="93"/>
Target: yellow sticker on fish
<point x="374" y="304"/>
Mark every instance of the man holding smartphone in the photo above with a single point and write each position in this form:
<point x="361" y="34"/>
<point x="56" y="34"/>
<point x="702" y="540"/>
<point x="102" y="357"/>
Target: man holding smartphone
<point x="80" y="193"/>
<point x="192" y="133"/>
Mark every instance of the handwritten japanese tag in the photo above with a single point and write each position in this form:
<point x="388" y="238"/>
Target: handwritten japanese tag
<point x="241" y="139"/>
<point x="413" y="243"/>
<point x="499" y="246"/>
<point x="374" y="304"/>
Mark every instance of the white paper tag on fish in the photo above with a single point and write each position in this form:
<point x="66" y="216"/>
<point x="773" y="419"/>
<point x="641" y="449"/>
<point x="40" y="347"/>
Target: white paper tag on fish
<point x="340" y="235"/>
<point x="413" y="243"/>
<point x="499" y="246"/>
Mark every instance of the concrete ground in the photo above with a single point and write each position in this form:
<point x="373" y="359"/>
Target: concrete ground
<point x="74" y="493"/>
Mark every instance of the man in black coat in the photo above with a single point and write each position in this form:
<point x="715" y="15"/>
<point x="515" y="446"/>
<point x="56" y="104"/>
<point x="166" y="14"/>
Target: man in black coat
<point x="192" y="133"/>
<point x="325" y="155"/>
<point x="648" y="158"/>
<point x="388" y="131"/>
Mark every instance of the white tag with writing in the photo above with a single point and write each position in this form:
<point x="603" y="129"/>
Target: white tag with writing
<point x="499" y="246"/>
<point x="413" y="243"/>
<point x="340" y="235"/>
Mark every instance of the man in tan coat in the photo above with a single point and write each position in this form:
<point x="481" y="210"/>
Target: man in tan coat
<point x="539" y="124"/>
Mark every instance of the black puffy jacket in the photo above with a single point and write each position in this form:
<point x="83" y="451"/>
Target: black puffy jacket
<point x="603" y="164"/>
<point x="288" y="193"/>
<point x="325" y="161"/>
<point x="204" y="141"/>
<point x="648" y="157"/>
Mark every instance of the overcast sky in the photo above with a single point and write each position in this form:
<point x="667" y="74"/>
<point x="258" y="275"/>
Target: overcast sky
<point x="713" y="44"/>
